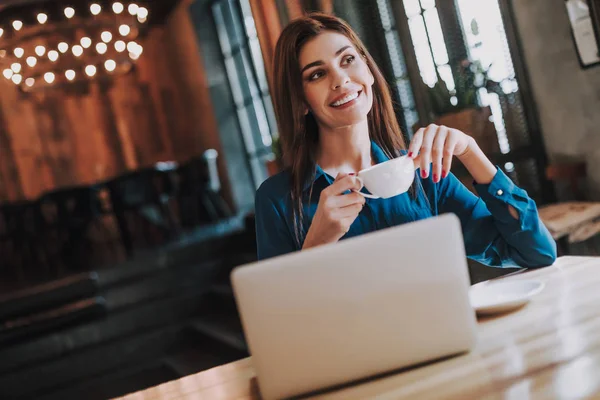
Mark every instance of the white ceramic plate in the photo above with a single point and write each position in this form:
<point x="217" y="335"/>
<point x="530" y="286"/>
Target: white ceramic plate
<point x="502" y="296"/>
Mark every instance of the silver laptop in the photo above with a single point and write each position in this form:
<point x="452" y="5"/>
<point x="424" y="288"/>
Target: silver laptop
<point x="358" y="308"/>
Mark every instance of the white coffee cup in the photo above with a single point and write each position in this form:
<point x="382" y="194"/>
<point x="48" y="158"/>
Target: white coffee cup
<point x="387" y="179"/>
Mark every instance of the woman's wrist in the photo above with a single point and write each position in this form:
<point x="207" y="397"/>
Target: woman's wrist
<point x="476" y="162"/>
<point x="309" y="241"/>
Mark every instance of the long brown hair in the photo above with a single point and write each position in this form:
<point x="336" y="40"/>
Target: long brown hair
<point x="299" y="132"/>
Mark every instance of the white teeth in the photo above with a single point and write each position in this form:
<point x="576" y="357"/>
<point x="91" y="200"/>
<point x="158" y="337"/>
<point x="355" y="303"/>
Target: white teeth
<point x="345" y="100"/>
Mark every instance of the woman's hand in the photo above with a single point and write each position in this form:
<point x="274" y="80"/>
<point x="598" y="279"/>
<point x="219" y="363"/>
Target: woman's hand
<point x="335" y="212"/>
<point x="436" y="146"/>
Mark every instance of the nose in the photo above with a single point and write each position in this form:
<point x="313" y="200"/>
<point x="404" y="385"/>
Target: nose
<point x="339" y="78"/>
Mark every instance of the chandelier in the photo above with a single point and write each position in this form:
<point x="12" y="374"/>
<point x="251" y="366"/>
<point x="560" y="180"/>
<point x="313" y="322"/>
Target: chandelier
<point x="45" y="48"/>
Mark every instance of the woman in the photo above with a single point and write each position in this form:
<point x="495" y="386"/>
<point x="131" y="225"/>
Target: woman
<point x="335" y="117"/>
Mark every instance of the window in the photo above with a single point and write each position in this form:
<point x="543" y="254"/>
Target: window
<point x="401" y="80"/>
<point x="484" y="33"/>
<point x="446" y="32"/>
<point x="428" y="40"/>
<point x="248" y="82"/>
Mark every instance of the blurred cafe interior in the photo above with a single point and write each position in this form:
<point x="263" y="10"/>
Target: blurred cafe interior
<point x="133" y="136"/>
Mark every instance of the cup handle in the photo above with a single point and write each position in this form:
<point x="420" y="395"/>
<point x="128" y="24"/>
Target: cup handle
<point x="368" y="196"/>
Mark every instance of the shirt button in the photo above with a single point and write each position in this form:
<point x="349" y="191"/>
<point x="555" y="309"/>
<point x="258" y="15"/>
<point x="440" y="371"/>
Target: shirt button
<point x="500" y="192"/>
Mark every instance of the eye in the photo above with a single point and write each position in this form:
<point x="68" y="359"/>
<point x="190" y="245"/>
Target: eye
<point x="316" y="75"/>
<point x="349" y="60"/>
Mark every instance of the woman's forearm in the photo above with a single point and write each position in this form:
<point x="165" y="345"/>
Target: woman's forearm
<point x="480" y="167"/>
<point x="476" y="162"/>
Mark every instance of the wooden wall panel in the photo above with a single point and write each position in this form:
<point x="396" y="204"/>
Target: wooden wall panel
<point x="268" y="24"/>
<point x="160" y="111"/>
<point x="268" y="29"/>
<point x="195" y="109"/>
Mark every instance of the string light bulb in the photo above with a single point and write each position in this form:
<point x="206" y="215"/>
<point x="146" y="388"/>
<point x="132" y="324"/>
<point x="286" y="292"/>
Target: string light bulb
<point x="40" y="50"/>
<point x="7" y="73"/>
<point x="77" y="50"/>
<point x="90" y="70"/>
<point x="1" y="32"/>
<point x="110" y="65"/>
<point x="18" y="52"/>
<point x="31" y="61"/>
<point x="42" y="18"/>
<point x="118" y="8"/>
<point x="86" y="42"/>
<point x="120" y="46"/>
<point x="70" y="74"/>
<point x="142" y="13"/>
<point x="53" y="55"/>
<point x="101" y="48"/>
<point x="133" y="47"/>
<point x="69" y="12"/>
<point x="17" y="25"/>
<point x="49" y="77"/>
<point x="95" y="9"/>
<point x="106" y="36"/>
<point x="133" y="8"/>
<point x="63" y="47"/>
<point x="124" y="30"/>
<point x="16" y="67"/>
<point x="16" y="78"/>
<point x="30" y="82"/>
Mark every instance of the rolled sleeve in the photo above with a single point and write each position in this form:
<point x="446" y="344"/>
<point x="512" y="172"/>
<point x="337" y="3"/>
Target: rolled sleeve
<point x="494" y="236"/>
<point x="499" y="193"/>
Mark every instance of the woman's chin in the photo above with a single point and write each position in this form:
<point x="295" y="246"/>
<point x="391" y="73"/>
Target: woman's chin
<point x="349" y="120"/>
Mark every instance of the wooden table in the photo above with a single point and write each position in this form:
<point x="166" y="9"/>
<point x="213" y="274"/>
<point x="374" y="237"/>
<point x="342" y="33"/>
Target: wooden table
<point x="548" y="349"/>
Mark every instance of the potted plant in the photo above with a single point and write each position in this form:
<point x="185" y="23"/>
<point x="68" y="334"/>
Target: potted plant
<point x="460" y="108"/>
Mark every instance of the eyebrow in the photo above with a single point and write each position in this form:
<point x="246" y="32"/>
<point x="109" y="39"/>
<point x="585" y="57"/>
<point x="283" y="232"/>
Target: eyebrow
<point x="317" y="63"/>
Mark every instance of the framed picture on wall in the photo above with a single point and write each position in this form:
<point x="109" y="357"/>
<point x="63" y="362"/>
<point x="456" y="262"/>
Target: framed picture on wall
<point x="584" y="17"/>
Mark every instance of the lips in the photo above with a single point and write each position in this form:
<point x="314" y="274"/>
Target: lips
<point x="345" y="99"/>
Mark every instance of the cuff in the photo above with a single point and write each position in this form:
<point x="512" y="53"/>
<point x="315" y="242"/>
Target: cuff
<point x="500" y="192"/>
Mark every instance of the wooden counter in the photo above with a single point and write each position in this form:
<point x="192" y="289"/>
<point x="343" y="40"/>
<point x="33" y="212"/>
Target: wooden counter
<point x="548" y="349"/>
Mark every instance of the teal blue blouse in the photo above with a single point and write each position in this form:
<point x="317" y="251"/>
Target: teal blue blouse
<point x="492" y="236"/>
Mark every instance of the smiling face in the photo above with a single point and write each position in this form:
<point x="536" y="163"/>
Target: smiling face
<point x="336" y="79"/>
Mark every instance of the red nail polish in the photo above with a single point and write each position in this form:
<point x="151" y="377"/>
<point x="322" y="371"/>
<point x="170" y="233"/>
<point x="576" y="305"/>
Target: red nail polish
<point x="423" y="174"/>
<point x="444" y="174"/>
<point x="410" y="154"/>
<point x="351" y="173"/>
<point x="435" y="178"/>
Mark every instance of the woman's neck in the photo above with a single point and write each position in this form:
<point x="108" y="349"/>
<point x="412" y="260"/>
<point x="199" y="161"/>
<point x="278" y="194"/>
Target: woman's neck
<point x="345" y="149"/>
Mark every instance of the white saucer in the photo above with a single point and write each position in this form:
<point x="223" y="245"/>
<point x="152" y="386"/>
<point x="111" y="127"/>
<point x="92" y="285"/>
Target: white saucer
<point x="502" y="296"/>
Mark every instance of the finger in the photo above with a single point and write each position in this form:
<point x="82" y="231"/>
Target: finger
<point x="351" y="211"/>
<point x="437" y="152"/>
<point x="345" y="200"/>
<point x="426" y="147"/>
<point x="451" y="143"/>
<point x="343" y="184"/>
<point x="415" y="143"/>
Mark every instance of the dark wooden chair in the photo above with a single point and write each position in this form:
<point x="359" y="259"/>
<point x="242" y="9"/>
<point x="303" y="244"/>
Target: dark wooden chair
<point x="22" y="243"/>
<point x="69" y="213"/>
<point x="146" y="194"/>
<point x="572" y="221"/>
<point x="199" y="194"/>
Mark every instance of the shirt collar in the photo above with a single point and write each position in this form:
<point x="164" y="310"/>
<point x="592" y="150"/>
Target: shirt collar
<point x="376" y="152"/>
